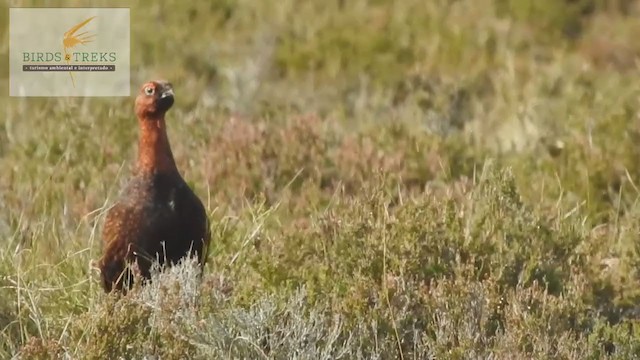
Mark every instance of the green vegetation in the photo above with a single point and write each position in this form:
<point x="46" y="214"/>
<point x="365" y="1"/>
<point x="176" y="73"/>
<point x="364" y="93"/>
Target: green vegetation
<point x="386" y="179"/>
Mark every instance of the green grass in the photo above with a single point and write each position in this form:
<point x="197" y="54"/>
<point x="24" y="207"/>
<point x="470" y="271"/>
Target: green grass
<point x="386" y="179"/>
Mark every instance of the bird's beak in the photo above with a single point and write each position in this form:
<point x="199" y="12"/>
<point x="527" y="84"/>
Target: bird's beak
<point x="166" y="98"/>
<point x="167" y="92"/>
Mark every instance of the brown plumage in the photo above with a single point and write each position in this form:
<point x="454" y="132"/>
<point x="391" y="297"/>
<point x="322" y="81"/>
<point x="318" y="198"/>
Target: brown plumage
<point x="157" y="216"/>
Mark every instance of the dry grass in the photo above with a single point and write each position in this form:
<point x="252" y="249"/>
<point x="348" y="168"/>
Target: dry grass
<point x="450" y="179"/>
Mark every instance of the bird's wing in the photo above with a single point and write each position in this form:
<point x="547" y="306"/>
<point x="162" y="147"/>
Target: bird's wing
<point x="121" y="227"/>
<point x="194" y="216"/>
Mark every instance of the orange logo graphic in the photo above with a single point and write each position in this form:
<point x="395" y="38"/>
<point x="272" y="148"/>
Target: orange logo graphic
<point x="71" y="40"/>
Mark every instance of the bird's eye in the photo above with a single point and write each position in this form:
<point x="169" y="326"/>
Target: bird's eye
<point x="148" y="90"/>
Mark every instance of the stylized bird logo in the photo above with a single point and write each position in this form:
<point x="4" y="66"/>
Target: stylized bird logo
<point x="71" y="39"/>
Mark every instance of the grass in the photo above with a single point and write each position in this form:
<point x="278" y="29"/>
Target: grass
<point x="386" y="179"/>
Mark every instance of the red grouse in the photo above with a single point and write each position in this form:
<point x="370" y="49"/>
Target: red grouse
<point x="157" y="216"/>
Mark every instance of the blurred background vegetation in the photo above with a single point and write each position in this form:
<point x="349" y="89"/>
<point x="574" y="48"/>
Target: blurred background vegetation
<point x="387" y="179"/>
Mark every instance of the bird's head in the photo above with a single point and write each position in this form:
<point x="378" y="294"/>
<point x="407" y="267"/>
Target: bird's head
<point x="154" y="99"/>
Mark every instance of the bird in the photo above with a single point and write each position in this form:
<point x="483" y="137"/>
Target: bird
<point x="157" y="216"/>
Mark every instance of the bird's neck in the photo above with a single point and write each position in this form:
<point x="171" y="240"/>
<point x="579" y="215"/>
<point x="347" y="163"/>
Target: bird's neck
<point x="154" y="151"/>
